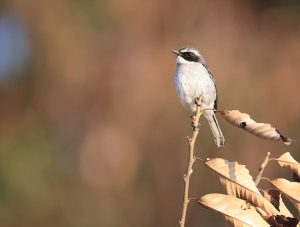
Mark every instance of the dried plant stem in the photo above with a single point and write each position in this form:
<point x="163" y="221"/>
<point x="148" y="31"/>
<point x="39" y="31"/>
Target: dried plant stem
<point x="191" y="160"/>
<point x="261" y="169"/>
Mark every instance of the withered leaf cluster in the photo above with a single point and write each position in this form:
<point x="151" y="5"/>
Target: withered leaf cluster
<point x="244" y="204"/>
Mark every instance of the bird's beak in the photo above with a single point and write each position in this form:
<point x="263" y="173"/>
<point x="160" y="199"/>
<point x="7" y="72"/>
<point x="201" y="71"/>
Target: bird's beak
<point x="176" y="52"/>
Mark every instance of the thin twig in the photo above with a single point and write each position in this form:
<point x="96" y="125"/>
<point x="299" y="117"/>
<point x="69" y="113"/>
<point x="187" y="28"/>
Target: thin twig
<point x="192" y="159"/>
<point x="267" y="179"/>
<point x="258" y="178"/>
<point x="199" y="159"/>
<point x="194" y="199"/>
<point x="261" y="169"/>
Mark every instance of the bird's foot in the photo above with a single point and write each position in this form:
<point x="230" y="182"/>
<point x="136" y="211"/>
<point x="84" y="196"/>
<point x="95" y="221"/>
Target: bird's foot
<point x="198" y="101"/>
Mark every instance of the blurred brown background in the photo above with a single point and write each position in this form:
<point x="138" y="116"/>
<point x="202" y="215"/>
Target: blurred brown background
<point x="92" y="133"/>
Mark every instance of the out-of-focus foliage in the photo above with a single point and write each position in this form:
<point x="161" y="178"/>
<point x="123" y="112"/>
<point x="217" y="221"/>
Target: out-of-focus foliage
<point x="91" y="131"/>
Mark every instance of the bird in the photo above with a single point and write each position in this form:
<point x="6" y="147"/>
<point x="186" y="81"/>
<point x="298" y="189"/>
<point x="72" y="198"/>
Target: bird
<point x="193" y="79"/>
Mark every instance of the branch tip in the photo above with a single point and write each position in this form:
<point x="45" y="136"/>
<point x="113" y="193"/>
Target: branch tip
<point x="261" y="168"/>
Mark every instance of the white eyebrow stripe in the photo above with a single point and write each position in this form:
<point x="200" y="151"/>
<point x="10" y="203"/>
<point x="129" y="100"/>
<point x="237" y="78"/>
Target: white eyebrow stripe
<point x="184" y="50"/>
<point x="192" y="50"/>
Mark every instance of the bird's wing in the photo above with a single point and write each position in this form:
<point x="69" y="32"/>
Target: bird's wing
<point x="213" y="79"/>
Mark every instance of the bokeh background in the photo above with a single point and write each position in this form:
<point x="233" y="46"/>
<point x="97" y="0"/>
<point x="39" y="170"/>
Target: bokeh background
<point x="91" y="130"/>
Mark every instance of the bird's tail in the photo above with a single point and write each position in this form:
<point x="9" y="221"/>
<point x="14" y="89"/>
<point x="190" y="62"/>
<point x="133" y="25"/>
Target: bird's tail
<point x="215" y="128"/>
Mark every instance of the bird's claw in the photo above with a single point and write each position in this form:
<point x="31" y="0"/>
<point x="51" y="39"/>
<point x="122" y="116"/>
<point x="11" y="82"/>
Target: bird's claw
<point x="198" y="101"/>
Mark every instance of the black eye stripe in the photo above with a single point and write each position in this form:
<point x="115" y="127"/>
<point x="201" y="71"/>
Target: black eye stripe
<point x="189" y="56"/>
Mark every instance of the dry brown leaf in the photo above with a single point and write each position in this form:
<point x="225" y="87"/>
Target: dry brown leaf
<point x="282" y="221"/>
<point x="230" y="207"/>
<point x="286" y="160"/>
<point x="274" y="196"/>
<point x="278" y="220"/>
<point x="238" y="182"/>
<point x="262" y="130"/>
<point x="290" y="189"/>
<point x="296" y="178"/>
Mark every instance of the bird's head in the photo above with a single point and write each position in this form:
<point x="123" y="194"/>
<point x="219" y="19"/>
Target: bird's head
<point x="188" y="55"/>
